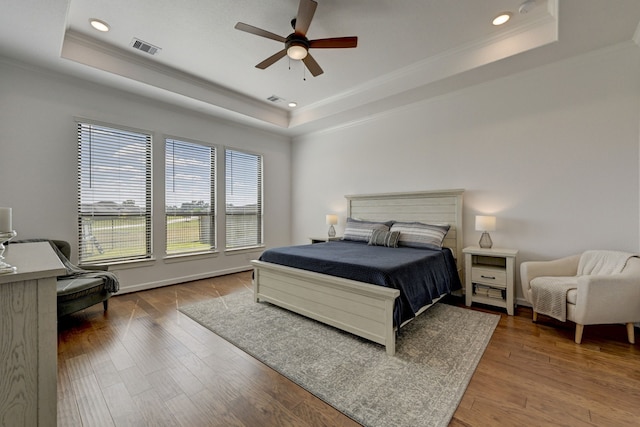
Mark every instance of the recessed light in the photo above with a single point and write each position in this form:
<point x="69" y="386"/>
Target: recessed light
<point x="502" y="18"/>
<point x="99" y="25"/>
<point x="293" y="104"/>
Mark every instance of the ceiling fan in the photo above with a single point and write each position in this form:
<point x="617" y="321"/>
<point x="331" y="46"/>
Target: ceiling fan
<point x="296" y="44"/>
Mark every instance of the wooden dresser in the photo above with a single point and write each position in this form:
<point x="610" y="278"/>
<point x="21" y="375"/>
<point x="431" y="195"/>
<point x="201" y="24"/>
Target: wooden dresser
<point x="28" y="336"/>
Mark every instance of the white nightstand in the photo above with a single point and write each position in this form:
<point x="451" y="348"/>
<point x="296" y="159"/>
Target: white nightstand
<point x="324" y="239"/>
<point x="490" y="276"/>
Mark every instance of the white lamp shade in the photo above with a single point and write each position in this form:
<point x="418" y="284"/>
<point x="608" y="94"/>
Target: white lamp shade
<point x="332" y="219"/>
<point x="485" y="223"/>
<point x="297" y="52"/>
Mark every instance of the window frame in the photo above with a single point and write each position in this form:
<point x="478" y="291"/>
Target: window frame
<point x="213" y="194"/>
<point x="84" y="125"/>
<point x="260" y="201"/>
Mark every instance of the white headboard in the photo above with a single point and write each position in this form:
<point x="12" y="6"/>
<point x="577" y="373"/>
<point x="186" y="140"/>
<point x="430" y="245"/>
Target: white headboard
<point x="433" y="207"/>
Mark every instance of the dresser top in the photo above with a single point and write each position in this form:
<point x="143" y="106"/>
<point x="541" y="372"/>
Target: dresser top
<point x="32" y="260"/>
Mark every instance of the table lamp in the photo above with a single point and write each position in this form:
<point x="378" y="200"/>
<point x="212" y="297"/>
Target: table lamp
<point x="485" y="224"/>
<point x="332" y="220"/>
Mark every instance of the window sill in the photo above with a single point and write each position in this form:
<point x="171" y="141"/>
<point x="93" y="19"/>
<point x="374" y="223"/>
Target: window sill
<point x="169" y="259"/>
<point x="247" y="250"/>
<point x="123" y="265"/>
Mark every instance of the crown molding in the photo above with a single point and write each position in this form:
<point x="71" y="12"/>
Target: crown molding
<point x="522" y="38"/>
<point x="100" y="56"/>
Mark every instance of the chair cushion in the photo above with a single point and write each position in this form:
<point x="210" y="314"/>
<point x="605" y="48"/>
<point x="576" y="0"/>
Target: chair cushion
<point x="549" y="295"/>
<point x="74" y="288"/>
<point x="572" y="296"/>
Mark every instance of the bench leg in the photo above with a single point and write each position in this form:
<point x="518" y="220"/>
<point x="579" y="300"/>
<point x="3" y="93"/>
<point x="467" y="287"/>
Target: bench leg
<point x="105" y="304"/>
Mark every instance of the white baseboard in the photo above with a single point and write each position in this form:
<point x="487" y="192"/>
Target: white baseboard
<point x="178" y="280"/>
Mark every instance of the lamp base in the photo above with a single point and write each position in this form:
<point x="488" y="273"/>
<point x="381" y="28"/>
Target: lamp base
<point x="332" y="231"/>
<point x="4" y="238"/>
<point x="485" y="241"/>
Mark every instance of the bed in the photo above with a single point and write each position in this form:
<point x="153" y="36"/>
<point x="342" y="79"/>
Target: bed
<point x="358" y="307"/>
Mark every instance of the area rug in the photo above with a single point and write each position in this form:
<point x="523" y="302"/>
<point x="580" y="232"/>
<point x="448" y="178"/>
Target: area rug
<point x="421" y="385"/>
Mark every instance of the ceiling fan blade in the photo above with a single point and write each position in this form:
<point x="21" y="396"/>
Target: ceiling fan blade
<point x="312" y="65"/>
<point x="306" y="10"/>
<point x="259" y="32"/>
<point x="334" y="43"/>
<point x="272" y="59"/>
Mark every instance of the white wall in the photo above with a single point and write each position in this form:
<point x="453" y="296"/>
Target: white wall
<point x="552" y="152"/>
<point x="38" y="165"/>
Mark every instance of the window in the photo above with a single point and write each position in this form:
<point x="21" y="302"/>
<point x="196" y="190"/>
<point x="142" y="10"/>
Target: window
<point x="243" y="175"/>
<point x="114" y="194"/>
<point x="189" y="197"/>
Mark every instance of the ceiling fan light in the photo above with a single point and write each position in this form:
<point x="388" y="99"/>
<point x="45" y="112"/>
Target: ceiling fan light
<point x="297" y="51"/>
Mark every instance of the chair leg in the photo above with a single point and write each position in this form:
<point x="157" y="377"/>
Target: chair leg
<point x="535" y="316"/>
<point x="105" y="304"/>
<point x="579" y="329"/>
<point x="631" y="333"/>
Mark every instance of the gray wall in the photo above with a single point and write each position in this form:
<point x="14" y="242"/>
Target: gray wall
<point x="552" y="152"/>
<point x="38" y="165"/>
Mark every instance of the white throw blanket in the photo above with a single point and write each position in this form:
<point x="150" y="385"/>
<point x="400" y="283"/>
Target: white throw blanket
<point x="602" y="263"/>
<point x="549" y="294"/>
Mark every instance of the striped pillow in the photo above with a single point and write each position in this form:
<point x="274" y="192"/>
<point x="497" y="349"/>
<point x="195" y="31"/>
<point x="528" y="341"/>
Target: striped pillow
<point x="384" y="238"/>
<point x="420" y="235"/>
<point x="360" y="231"/>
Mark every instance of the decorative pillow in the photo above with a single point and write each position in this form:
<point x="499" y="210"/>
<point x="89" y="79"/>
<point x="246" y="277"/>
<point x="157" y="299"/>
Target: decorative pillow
<point x="384" y="238"/>
<point x="420" y="235"/>
<point x="360" y="231"/>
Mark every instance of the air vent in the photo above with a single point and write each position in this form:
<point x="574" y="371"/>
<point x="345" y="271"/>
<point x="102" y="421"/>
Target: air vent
<point x="145" y="47"/>
<point x="274" y="98"/>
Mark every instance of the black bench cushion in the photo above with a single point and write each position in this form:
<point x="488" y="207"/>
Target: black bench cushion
<point x="79" y="287"/>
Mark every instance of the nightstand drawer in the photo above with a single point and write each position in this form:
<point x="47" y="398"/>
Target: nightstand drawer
<point x="489" y="276"/>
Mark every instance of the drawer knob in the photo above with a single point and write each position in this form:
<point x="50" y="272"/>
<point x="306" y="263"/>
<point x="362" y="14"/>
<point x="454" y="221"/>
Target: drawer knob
<point x="488" y="277"/>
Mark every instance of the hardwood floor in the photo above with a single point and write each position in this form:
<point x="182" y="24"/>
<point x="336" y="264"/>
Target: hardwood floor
<point x="145" y="364"/>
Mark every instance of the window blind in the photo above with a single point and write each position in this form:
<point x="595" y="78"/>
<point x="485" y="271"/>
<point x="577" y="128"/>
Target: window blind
<point x="243" y="204"/>
<point x="114" y="194"/>
<point x="189" y="196"/>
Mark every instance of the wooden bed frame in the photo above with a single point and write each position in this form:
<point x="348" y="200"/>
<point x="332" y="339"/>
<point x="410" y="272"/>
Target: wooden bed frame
<point x="360" y="308"/>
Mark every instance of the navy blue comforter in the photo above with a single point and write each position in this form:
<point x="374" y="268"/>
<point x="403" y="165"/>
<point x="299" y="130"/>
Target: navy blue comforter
<point x="421" y="275"/>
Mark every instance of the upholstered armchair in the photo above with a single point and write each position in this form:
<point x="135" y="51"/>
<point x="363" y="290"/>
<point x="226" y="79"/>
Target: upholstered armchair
<point x="592" y="295"/>
<point x="80" y="288"/>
